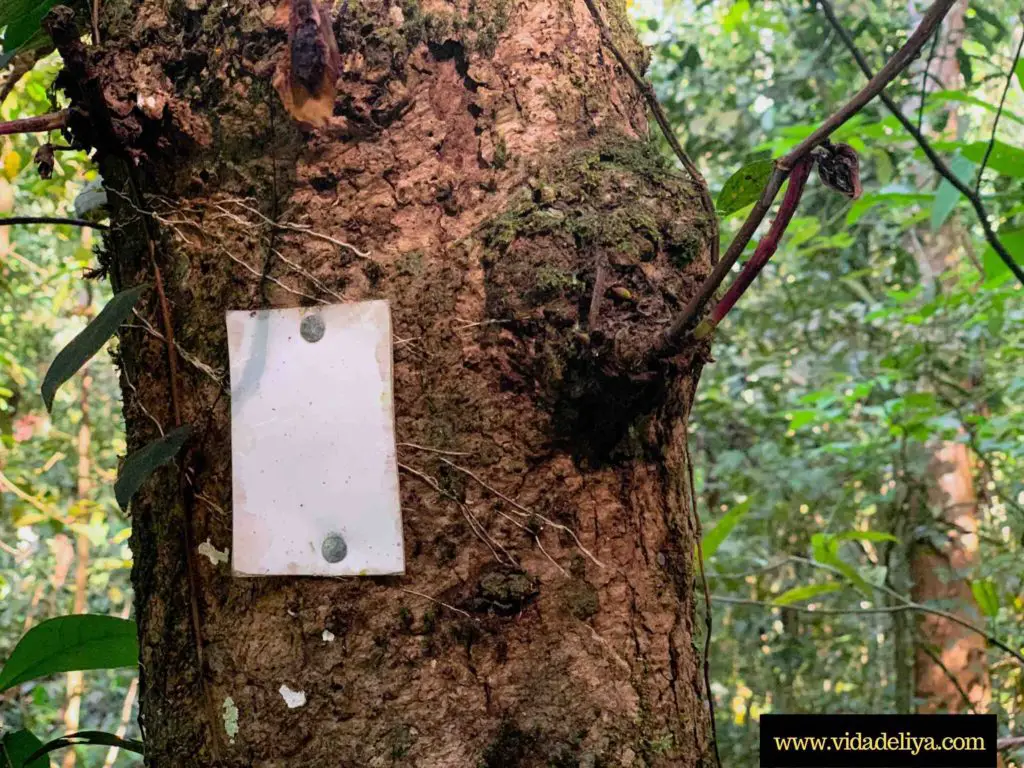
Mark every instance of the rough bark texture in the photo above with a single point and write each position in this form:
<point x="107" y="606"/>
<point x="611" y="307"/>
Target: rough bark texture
<point x="494" y="165"/>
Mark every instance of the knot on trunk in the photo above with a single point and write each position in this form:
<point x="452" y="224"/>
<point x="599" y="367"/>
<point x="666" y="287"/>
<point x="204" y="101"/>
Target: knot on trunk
<point x="584" y="269"/>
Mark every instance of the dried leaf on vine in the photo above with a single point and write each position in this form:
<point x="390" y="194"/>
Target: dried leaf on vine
<point x="839" y="168"/>
<point x="306" y="77"/>
<point x="45" y="160"/>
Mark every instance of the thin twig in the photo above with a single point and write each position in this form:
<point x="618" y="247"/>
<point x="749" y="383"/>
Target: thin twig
<point x="7" y="221"/>
<point x="302" y="229"/>
<point x="937" y="162"/>
<point x="924" y="78"/>
<point x="908" y="605"/>
<point x="7" y="485"/>
<point x="999" y="113"/>
<point x="949" y="675"/>
<point x="95" y="22"/>
<point x="523" y="510"/>
<point x="474" y="524"/>
<point x="668" y="342"/>
<point x="308" y="275"/>
<point x="216" y="375"/>
<point x="37" y="124"/>
<point x="698" y="530"/>
<point x="274" y="280"/>
<point x="511" y="519"/>
<point x="436" y="601"/>
<point x="432" y="450"/>
<point x="647" y="91"/>
<point x="1009" y="742"/>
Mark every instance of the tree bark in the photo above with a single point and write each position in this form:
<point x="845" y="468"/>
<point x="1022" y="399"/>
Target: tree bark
<point x="495" y="166"/>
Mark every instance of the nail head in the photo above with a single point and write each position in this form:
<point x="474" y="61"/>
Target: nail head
<point x="333" y="548"/>
<point x="312" y="328"/>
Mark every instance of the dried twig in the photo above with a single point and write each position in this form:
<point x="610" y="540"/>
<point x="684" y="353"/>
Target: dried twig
<point x="524" y="511"/>
<point x="999" y="113"/>
<point x="669" y="341"/>
<point x="436" y="601"/>
<point x="95" y="14"/>
<point x="647" y="91"/>
<point x="216" y="375"/>
<point x="37" y="124"/>
<point x="937" y="162"/>
<point x="924" y="78"/>
<point x="474" y="524"/>
<point x="432" y="450"/>
<point x="7" y="221"/>
<point x="708" y="621"/>
<point x="890" y="609"/>
<point x="301" y="229"/>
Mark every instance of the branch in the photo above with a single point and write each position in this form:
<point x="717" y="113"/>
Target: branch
<point x="670" y="339"/>
<point x="7" y="221"/>
<point x="768" y="245"/>
<point x="908" y="606"/>
<point x="1009" y="743"/>
<point x="38" y="124"/>
<point x="937" y="162"/>
<point x="647" y="91"/>
<point x="999" y="114"/>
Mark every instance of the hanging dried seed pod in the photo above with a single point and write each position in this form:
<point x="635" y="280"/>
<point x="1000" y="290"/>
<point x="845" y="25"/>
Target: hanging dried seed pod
<point x="839" y="168"/>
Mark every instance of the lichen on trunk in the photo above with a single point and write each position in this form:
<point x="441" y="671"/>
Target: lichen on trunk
<point x="487" y="170"/>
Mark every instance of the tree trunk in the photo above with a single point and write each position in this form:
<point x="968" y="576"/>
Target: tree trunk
<point x="494" y="164"/>
<point x="950" y="663"/>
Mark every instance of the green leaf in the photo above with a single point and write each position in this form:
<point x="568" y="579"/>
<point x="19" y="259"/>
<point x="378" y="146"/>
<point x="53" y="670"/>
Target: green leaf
<point x="799" y="594"/>
<point x="825" y="549"/>
<point x="802" y="418"/>
<point x="71" y="643"/>
<point x="866" y="536"/>
<point x="141" y="464"/>
<point x="947" y="196"/>
<point x="713" y="539"/>
<point x="16" y="747"/>
<point x="996" y="271"/>
<point x="744" y="187"/>
<point x="90" y="341"/>
<point x="894" y="200"/>
<point x="987" y="597"/>
<point x="964" y="98"/>
<point x="1005" y="158"/>
<point x="966" y="67"/>
<point x="23" y="19"/>
<point x="97" y="738"/>
<point x="1019" y="69"/>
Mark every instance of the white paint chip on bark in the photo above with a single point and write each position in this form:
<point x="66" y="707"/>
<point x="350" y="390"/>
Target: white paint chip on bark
<point x="206" y="549"/>
<point x="292" y="698"/>
<point x="230" y="719"/>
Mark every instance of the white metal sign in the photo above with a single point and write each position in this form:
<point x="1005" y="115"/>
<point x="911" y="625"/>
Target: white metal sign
<point x="313" y="442"/>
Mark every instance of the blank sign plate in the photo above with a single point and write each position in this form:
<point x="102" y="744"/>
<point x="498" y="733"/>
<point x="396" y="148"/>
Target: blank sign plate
<point x="313" y="442"/>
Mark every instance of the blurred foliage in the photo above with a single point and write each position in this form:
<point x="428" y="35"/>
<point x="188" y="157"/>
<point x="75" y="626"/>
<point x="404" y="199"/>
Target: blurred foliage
<point x="880" y="328"/>
<point x="45" y="299"/>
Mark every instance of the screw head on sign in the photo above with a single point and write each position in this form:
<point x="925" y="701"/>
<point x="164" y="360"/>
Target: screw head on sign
<point x="312" y="328"/>
<point x="334" y="548"/>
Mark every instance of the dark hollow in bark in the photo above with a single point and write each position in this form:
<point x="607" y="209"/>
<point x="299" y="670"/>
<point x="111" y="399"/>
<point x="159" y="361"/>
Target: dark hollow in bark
<point x="493" y="162"/>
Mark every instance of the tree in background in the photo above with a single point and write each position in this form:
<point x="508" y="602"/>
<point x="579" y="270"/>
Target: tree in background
<point x="848" y="358"/>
